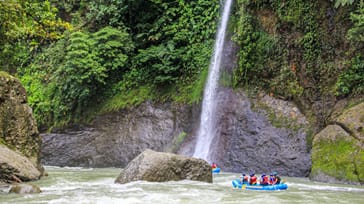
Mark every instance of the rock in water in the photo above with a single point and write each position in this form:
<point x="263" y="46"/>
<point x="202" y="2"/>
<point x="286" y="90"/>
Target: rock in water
<point x="24" y="188"/>
<point x="159" y="167"/>
<point x="16" y="167"/>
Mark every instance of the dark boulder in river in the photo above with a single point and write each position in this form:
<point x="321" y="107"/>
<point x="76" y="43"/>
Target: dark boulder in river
<point x="159" y="167"/>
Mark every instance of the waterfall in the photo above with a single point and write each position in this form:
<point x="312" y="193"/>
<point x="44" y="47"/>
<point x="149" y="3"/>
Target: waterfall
<point x="206" y="132"/>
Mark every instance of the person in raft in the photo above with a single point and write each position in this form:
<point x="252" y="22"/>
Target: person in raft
<point x="275" y="179"/>
<point x="264" y="180"/>
<point x="213" y="165"/>
<point x="271" y="179"/>
<point x="244" y="178"/>
<point x="253" y="179"/>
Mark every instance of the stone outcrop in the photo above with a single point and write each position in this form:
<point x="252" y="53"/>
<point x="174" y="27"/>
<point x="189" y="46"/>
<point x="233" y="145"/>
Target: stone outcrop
<point x="160" y="167"/>
<point x="338" y="150"/>
<point x="18" y="129"/>
<point x="115" y="139"/>
<point x="16" y="167"/>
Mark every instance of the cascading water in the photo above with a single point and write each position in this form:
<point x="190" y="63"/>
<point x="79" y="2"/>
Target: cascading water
<point x="206" y="131"/>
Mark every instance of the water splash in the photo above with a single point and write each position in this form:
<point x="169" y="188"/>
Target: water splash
<point x="207" y="131"/>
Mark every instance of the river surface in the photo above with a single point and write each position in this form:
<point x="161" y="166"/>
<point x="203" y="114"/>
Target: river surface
<point x="81" y="185"/>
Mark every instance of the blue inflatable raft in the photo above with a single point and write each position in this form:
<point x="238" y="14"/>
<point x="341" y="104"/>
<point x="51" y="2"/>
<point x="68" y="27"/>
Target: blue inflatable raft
<point x="216" y="170"/>
<point x="237" y="184"/>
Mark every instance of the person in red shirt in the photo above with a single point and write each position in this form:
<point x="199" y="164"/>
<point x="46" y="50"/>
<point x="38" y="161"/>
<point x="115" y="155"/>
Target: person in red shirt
<point x="214" y="166"/>
<point x="264" y="180"/>
<point x="253" y="179"/>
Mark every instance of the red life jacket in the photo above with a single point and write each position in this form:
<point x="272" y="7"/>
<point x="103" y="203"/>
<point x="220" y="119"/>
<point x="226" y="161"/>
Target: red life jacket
<point x="253" y="180"/>
<point x="265" y="180"/>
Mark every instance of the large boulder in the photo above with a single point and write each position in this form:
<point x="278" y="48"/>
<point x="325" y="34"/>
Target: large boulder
<point x="18" y="128"/>
<point x="159" y="167"/>
<point x="16" y="167"/>
<point x="338" y="150"/>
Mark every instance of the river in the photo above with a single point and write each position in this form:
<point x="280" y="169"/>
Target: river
<point x="82" y="185"/>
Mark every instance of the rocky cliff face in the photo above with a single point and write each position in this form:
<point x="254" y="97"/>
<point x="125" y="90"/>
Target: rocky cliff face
<point x="18" y="130"/>
<point x="115" y="139"/>
<point x="247" y="140"/>
<point x="338" y="150"/>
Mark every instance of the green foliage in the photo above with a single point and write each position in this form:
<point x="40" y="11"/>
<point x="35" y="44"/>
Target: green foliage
<point x="352" y="79"/>
<point x="107" y="13"/>
<point x="356" y="33"/>
<point x="159" y="64"/>
<point x="302" y="15"/>
<point x="31" y="19"/>
<point x="343" y="2"/>
<point x="160" y="49"/>
<point x="181" y="27"/>
<point x="257" y="48"/>
<point x="113" y="47"/>
<point x="291" y="11"/>
<point x="286" y="84"/>
<point x="67" y="78"/>
<point x="192" y="92"/>
<point x="130" y="98"/>
<point x="79" y="77"/>
<point x="25" y="25"/>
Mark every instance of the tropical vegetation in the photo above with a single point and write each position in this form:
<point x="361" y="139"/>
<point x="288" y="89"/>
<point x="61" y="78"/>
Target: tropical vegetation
<point x="85" y="57"/>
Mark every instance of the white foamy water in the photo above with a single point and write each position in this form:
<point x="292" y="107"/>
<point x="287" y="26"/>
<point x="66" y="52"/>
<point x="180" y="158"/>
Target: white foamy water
<point x="78" y="186"/>
<point x="206" y="131"/>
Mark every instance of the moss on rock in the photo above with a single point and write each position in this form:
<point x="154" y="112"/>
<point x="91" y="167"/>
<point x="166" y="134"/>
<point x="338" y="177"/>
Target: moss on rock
<point x="335" y="159"/>
<point x="18" y="128"/>
<point x="338" y="150"/>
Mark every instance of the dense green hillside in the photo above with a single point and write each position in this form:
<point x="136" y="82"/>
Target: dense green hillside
<point x="307" y="51"/>
<point x="109" y="54"/>
<point x="80" y="58"/>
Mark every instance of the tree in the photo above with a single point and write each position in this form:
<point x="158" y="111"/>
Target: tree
<point x="25" y="25"/>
